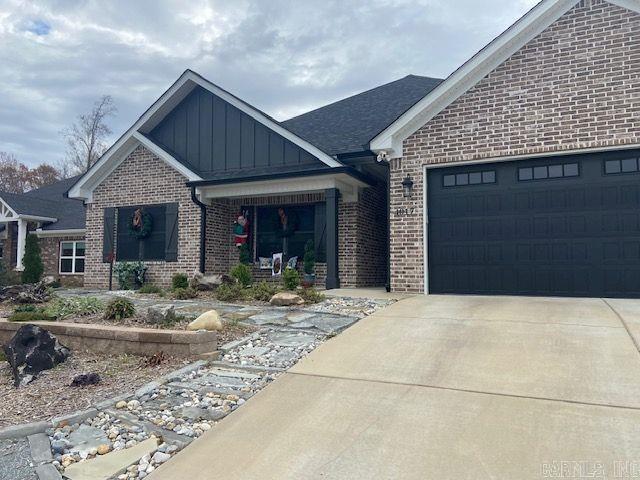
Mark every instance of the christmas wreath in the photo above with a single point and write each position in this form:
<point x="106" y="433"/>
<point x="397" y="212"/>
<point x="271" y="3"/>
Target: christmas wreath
<point x="141" y="224"/>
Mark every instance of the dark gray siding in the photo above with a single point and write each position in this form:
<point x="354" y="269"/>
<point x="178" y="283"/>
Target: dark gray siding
<point x="211" y="136"/>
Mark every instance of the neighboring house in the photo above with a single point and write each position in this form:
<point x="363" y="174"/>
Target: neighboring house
<point x="58" y="221"/>
<point x="518" y="174"/>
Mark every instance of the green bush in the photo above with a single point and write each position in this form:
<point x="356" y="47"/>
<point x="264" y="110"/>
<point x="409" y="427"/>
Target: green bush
<point x="3" y="357"/>
<point x="263" y="291"/>
<point x="179" y="280"/>
<point x="291" y="278"/>
<point x="242" y="273"/>
<point x="119" y="308"/>
<point x="130" y="274"/>
<point x="32" y="261"/>
<point x="65" y="307"/>
<point x="184" y="293"/>
<point x="25" y="308"/>
<point x="34" y="316"/>
<point x="311" y="295"/>
<point x="245" y="255"/>
<point x="150" y="288"/>
<point x="309" y="259"/>
<point x="230" y="292"/>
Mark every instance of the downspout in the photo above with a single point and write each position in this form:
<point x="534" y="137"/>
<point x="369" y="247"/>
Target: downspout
<point x="203" y="227"/>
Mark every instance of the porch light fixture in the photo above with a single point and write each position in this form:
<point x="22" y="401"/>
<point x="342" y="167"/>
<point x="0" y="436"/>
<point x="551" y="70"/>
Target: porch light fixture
<point x="407" y="186"/>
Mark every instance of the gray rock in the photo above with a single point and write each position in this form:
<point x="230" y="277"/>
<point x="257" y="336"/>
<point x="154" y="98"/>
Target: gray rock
<point x="253" y="351"/>
<point x="85" y="438"/>
<point x="332" y="323"/>
<point x="289" y="340"/>
<point x="206" y="282"/>
<point x="40" y="448"/>
<point x="161" y="314"/>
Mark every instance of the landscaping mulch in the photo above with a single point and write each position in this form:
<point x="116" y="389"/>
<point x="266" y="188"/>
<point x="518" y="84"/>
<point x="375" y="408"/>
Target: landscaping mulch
<point x="50" y="395"/>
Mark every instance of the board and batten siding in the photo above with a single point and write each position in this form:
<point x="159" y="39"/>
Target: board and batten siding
<point x="211" y="136"/>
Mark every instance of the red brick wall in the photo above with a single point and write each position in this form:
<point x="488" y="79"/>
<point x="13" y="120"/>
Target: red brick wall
<point x="143" y="179"/>
<point x="576" y="86"/>
<point x="50" y="252"/>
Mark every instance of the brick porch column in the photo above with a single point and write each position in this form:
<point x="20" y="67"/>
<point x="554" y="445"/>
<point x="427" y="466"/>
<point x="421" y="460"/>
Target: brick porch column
<point x="332" y="196"/>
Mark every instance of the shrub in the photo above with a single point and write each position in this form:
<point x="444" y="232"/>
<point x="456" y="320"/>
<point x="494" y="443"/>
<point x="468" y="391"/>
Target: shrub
<point x="184" y="293"/>
<point x="245" y="255"/>
<point x="242" y="273"/>
<point x="25" y="308"/>
<point x="179" y="280"/>
<point x="130" y="274"/>
<point x="3" y="357"/>
<point x="311" y="295"/>
<point x="263" y="291"/>
<point x="291" y="278"/>
<point x="150" y="288"/>
<point x="33" y="266"/>
<point x="64" y="307"/>
<point x="309" y="259"/>
<point x="119" y="308"/>
<point x="33" y="316"/>
<point x="230" y="292"/>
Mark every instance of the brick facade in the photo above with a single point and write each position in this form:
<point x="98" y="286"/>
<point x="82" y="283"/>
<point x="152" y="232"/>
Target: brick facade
<point x="143" y="179"/>
<point x="576" y="86"/>
<point x="50" y="252"/>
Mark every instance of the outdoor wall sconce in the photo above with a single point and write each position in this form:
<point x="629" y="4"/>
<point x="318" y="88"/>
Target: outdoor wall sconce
<point x="407" y="187"/>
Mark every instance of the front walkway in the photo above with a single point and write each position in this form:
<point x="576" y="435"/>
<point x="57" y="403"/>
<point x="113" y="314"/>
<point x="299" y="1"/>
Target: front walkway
<point x="445" y="387"/>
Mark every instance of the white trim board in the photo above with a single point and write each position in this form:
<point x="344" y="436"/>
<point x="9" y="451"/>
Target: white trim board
<point x="134" y="136"/>
<point x="60" y="233"/>
<point x="474" y="70"/>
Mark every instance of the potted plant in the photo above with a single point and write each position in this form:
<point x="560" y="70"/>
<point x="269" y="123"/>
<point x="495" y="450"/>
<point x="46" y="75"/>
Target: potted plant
<point x="309" y="265"/>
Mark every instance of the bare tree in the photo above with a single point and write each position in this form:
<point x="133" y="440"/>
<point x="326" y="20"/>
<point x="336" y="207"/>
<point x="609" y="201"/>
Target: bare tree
<point x="86" y="137"/>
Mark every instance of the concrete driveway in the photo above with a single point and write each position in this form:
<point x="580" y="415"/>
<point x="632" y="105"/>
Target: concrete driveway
<point x="446" y="387"/>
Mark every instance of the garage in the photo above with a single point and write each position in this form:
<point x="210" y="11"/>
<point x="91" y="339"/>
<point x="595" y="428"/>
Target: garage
<point x="562" y="226"/>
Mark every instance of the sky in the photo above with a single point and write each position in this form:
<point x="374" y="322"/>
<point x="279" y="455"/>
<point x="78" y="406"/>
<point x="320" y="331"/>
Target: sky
<point x="58" y="57"/>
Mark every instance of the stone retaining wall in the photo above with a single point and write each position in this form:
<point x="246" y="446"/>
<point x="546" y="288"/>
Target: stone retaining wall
<point x="135" y="341"/>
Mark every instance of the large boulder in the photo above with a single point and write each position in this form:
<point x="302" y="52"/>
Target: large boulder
<point x="32" y="350"/>
<point x="285" y="299"/>
<point x="161" y="314"/>
<point x="199" y="281"/>
<point x="207" y="321"/>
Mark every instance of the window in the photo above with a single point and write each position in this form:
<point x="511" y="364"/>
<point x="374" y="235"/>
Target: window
<point x="71" y="257"/>
<point x="304" y="223"/>
<point x="627" y="165"/>
<point x="548" y="171"/>
<point x="152" y="247"/>
<point x="473" y="178"/>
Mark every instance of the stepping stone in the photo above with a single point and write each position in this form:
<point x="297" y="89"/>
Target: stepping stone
<point x="297" y="317"/>
<point x="111" y="464"/>
<point x="332" y="323"/>
<point x="253" y="351"/>
<point x="204" y="389"/>
<point x="269" y="318"/>
<point x="233" y="374"/>
<point x="302" y="325"/>
<point x="197" y="413"/>
<point x="240" y="315"/>
<point x="226" y="382"/>
<point x="40" y="448"/>
<point x="86" y="438"/>
<point x="284" y="356"/>
<point x="292" y="340"/>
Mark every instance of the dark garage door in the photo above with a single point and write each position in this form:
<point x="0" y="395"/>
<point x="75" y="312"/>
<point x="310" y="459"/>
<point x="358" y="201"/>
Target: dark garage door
<point x="566" y="226"/>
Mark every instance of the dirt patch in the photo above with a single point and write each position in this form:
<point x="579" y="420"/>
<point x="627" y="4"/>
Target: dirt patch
<point x="51" y="395"/>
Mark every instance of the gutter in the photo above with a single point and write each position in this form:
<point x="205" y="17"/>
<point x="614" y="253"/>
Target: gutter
<point x="275" y="176"/>
<point x="203" y="227"/>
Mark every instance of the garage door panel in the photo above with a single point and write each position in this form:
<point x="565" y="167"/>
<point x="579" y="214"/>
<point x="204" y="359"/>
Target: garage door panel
<point x="573" y="236"/>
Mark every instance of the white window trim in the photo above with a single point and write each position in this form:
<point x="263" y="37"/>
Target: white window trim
<point x="73" y="257"/>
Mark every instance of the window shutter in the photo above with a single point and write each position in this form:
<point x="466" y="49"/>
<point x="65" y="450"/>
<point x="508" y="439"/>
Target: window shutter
<point x="171" y="237"/>
<point x="320" y="233"/>
<point x="108" y="234"/>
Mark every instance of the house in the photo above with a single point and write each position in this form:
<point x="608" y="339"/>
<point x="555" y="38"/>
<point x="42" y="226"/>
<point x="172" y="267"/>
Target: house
<point x="58" y="221"/>
<point x="518" y="174"/>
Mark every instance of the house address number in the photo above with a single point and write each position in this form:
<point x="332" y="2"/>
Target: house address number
<point x="405" y="212"/>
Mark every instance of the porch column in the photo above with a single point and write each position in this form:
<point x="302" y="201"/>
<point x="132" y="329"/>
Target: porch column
<point x="22" y="240"/>
<point x="331" y="199"/>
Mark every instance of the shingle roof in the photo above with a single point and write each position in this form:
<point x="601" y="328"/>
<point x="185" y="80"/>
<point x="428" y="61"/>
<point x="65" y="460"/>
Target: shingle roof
<point x="348" y="125"/>
<point x="50" y="201"/>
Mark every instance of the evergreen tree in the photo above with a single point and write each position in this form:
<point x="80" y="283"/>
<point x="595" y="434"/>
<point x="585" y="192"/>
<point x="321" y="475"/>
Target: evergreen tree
<point x="32" y="261"/>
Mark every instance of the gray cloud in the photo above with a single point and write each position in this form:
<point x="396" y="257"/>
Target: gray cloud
<point x="283" y="56"/>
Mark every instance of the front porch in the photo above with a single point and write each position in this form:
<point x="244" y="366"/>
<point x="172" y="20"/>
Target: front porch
<point x="341" y="214"/>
